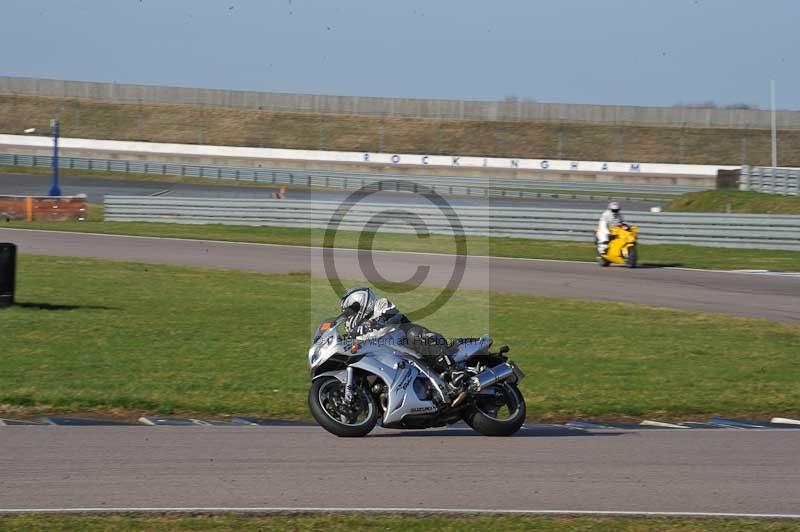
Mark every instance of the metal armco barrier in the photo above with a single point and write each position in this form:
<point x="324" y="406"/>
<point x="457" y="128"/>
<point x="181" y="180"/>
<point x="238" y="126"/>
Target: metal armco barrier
<point x="718" y="230"/>
<point x="784" y="181"/>
<point x="450" y="185"/>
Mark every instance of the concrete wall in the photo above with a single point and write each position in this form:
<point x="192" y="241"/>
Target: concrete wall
<point x="550" y="170"/>
<point x="401" y="107"/>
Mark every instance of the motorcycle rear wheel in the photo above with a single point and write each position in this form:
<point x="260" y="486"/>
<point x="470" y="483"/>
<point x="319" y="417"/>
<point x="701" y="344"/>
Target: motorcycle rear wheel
<point x="325" y="402"/>
<point x="486" y="413"/>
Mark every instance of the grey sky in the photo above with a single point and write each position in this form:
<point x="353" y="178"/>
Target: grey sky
<point x="638" y="52"/>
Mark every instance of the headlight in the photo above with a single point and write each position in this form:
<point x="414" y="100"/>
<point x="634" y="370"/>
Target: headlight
<point x="312" y="355"/>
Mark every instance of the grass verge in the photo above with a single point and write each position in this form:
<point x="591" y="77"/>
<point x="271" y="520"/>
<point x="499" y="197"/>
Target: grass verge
<point x="91" y="334"/>
<point x="194" y="124"/>
<point x="656" y="255"/>
<point x="735" y="201"/>
<point x="387" y="522"/>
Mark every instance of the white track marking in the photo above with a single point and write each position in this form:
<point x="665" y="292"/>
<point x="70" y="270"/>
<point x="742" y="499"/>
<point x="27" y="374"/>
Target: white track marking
<point x="385" y="251"/>
<point x="648" y="423"/>
<point x="390" y="510"/>
<point x="768" y="272"/>
<point x="586" y="425"/>
<point x="785" y="421"/>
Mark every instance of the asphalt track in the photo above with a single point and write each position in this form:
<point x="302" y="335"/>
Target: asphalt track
<point x="96" y="188"/>
<point x="543" y="468"/>
<point x="740" y="294"/>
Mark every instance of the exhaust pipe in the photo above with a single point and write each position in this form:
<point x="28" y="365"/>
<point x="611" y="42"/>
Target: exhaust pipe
<point x="483" y="380"/>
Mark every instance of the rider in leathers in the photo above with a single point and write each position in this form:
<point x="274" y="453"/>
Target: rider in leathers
<point x="611" y="217"/>
<point x="376" y="315"/>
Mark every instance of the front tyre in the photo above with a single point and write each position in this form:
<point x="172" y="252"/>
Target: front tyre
<point x="630" y="260"/>
<point x="327" y="404"/>
<point x="499" y="414"/>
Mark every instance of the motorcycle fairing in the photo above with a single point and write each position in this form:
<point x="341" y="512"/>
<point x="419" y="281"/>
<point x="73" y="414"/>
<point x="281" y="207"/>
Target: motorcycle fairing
<point x="398" y="372"/>
<point x="468" y="349"/>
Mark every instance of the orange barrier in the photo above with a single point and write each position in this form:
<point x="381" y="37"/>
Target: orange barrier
<point x="43" y="208"/>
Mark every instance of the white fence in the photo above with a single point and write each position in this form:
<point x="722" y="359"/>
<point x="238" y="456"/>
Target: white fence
<point x="718" y="230"/>
<point x="358" y="105"/>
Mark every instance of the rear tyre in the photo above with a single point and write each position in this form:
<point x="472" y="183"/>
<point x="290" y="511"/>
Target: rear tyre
<point x="501" y="414"/>
<point x="326" y="402"/>
<point x="630" y="260"/>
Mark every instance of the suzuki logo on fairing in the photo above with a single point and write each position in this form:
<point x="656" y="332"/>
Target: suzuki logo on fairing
<point x="403" y="385"/>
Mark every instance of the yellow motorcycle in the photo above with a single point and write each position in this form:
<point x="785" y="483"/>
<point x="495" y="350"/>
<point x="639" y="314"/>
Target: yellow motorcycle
<point x="621" y="246"/>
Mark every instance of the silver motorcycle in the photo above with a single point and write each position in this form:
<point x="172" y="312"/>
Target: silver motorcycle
<point x="356" y="384"/>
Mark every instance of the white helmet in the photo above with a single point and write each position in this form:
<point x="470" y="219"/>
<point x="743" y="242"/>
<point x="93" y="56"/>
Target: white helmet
<point x="365" y="298"/>
<point x="614" y="206"/>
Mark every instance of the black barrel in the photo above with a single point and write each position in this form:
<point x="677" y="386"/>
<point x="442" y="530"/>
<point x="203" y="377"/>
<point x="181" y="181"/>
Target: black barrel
<point x="8" y="273"/>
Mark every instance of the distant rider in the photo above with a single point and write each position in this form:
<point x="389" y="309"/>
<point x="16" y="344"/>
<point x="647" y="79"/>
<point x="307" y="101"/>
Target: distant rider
<point x="611" y="217"/>
<point x="375" y="316"/>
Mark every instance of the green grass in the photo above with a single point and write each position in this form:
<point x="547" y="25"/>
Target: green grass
<point x="650" y="255"/>
<point x="101" y="335"/>
<point x="387" y="522"/>
<point x="735" y="201"/>
<point x="524" y="139"/>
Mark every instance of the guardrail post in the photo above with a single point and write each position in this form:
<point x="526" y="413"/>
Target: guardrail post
<point x="55" y="190"/>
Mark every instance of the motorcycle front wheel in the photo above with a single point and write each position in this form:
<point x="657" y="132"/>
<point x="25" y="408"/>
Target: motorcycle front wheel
<point x="327" y="404"/>
<point x="499" y="414"/>
<point x="630" y="260"/>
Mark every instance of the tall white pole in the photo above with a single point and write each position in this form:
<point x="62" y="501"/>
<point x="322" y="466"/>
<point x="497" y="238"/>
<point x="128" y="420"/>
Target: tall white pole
<point x="774" y="132"/>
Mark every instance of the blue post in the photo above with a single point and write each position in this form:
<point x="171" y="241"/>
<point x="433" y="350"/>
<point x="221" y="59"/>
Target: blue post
<point x="54" y="190"/>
